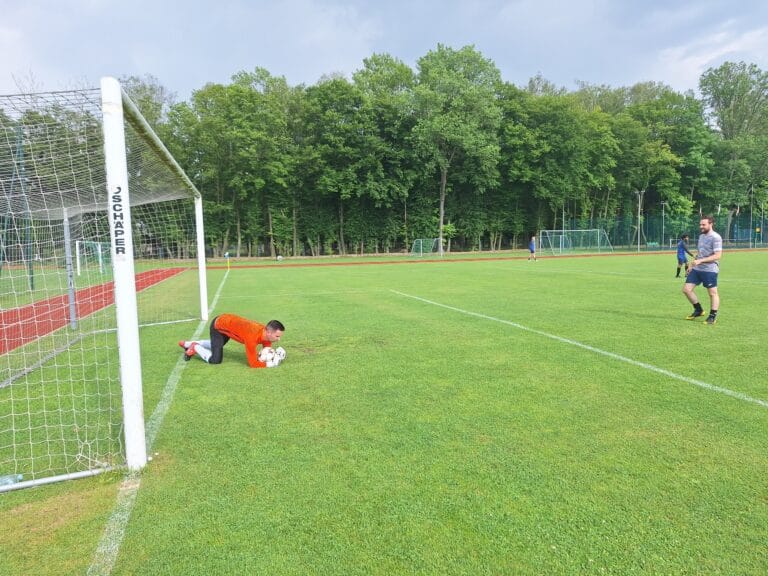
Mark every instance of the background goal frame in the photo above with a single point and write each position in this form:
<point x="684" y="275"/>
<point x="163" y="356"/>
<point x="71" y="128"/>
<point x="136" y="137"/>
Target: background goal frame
<point x="423" y="246"/>
<point x="591" y="240"/>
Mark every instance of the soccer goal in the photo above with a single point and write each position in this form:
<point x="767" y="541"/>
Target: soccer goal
<point x="423" y="246"/>
<point x="101" y="240"/>
<point x="568" y="241"/>
<point x="90" y="254"/>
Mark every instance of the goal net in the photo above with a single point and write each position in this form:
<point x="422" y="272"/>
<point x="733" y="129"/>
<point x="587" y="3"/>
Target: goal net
<point x="90" y="254"/>
<point x="100" y="234"/>
<point x="423" y="246"/>
<point x="569" y="241"/>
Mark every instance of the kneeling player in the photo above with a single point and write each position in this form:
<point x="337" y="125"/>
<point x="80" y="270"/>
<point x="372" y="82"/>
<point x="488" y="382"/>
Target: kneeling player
<point x="249" y="333"/>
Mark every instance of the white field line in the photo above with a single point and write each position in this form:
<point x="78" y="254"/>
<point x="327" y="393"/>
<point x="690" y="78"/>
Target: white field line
<point x="277" y="293"/>
<point x="620" y="358"/>
<point x="106" y="552"/>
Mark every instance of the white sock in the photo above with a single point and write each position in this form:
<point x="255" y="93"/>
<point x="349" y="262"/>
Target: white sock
<point x="202" y="351"/>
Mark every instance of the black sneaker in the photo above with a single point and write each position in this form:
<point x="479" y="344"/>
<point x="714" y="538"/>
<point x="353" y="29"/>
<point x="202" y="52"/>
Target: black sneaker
<point x="711" y="319"/>
<point x="695" y="314"/>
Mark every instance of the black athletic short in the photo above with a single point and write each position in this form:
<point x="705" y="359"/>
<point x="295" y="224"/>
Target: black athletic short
<point x="217" y="344"/>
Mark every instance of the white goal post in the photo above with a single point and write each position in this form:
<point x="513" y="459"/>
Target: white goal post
<point x="83" y="176"/>
<point x="568" y="241"/>
<point x="423" y="246"/>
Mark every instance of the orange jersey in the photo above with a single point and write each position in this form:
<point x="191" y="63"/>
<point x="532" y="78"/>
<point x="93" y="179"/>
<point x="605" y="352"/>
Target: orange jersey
<point x="250" y="334"/>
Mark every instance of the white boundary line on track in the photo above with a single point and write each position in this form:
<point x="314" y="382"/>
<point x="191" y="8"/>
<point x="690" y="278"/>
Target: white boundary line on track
<point x="652" y="368"/>
<point x="106" y="552"/>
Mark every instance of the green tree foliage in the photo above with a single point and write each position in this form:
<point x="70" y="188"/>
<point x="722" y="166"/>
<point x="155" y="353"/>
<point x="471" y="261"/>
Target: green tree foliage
<point x="387" y="85"/>
<point x="340" y="128"/>
<point x="562" y="154"/>
<point x="736" y="95"/>
<point x="152" y="98"/>
<point x="457" y="120"/>
<point x="369" y="163"/>
<point x="264" y="150"/>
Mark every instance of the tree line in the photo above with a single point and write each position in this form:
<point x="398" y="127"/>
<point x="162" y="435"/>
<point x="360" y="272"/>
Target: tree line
<point x="451" y="150"/>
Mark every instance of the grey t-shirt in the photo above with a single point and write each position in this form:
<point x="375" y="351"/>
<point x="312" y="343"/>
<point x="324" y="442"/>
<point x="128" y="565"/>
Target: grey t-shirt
<point x="709" y="243"/>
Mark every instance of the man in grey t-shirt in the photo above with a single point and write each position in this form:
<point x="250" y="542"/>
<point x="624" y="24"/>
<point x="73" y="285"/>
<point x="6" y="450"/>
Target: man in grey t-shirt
<point x="704" y="270"/>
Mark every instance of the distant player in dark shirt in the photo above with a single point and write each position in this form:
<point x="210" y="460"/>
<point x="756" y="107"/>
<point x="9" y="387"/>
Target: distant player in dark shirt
<point x="682" y="250"/>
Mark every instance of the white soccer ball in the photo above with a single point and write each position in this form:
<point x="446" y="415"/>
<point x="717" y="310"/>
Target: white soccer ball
<point x="267" y="354"/>
<point x="280" y="353"/>
<point x="279" y="258"/>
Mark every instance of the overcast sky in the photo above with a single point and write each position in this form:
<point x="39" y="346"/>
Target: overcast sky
<point x="55" y="45"/>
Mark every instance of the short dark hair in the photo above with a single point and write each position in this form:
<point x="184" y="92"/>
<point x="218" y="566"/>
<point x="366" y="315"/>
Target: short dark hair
<point x="711" y="219"/>
<point x="684" y="236"/>
<point x="275" y="325"/>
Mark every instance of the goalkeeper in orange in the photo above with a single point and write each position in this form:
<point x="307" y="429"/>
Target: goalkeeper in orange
<point x="249" y="333"/>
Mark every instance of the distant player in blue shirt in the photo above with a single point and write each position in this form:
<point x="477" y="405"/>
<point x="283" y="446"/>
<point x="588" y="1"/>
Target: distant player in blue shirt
<point x="682" y="250"/>
<point x="532" y="248"/>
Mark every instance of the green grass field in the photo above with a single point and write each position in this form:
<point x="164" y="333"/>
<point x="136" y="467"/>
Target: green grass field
<point x="459" y="417"/>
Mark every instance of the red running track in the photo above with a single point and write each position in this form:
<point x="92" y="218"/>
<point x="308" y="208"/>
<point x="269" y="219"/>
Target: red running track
<point x="28" y="323"/>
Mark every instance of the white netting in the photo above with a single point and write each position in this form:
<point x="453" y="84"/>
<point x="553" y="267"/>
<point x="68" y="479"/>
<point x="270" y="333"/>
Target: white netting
<point x="422" y="246"/>
<point x="60" y="398"/>
<point x="566" y="241"/>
